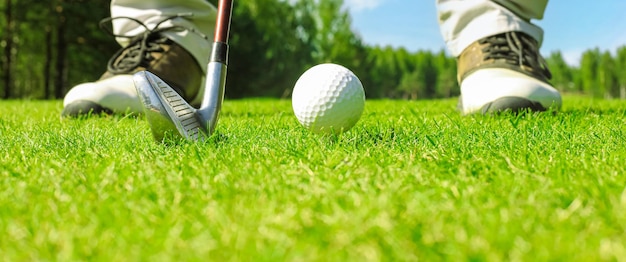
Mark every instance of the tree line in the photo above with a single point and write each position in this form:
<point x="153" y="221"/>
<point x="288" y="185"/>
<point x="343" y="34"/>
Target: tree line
<point x="600" y="73"/>
<point x="49" y="46"/>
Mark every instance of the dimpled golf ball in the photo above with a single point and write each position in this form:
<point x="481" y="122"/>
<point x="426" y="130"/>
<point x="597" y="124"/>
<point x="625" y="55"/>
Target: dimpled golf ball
<point x="328" y="98"/>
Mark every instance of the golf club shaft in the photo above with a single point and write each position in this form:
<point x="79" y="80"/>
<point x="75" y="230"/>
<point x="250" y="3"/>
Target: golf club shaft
<point x="219" y="52"/>
<point x="222" y="25"/>
<point x="216" y="69"/>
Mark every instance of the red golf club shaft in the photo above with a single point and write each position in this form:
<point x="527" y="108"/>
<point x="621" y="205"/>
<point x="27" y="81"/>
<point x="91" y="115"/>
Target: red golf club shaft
<point x="222" y="26"/>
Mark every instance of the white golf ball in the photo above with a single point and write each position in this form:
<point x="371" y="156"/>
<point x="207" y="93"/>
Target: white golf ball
<point x="328" y="98"/>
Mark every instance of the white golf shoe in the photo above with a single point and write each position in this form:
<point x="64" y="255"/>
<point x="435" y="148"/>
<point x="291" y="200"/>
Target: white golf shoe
<point x="115" y="91"/>
<point x="115" y="94"/>
<point x="505" y="72"/>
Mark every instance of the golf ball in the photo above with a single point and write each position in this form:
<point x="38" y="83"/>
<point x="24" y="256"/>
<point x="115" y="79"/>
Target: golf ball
<point x="328" y="98"/>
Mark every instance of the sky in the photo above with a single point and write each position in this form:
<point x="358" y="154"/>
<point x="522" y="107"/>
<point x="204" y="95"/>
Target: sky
<point x="570" y="26"/>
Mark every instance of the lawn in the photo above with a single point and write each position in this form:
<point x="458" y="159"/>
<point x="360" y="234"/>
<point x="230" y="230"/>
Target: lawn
<point x="413" y="180"/>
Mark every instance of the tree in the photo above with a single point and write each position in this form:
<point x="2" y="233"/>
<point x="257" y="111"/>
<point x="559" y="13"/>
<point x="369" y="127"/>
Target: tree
<point x="50" y="55"/>
<point x="447" y="84"/>
<point x="561" y="72"/>
<point x="272" y="43"/>
<point x="607" y="79"/>
<point x="7" y="42"/>
<point x="589" y="72"/>
<point x="335" y="41"/>
<point x="272" y="47"/>
<point x="620" y="70"/>
<point x="383" y="73"/>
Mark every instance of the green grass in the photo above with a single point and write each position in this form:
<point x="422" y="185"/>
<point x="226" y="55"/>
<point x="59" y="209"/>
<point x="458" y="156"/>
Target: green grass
<point x="412" y="181"/>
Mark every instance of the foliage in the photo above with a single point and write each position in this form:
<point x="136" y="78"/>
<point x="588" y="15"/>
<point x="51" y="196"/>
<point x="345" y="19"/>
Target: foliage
<point x="50" y="46"/>
<point x="269" y="48"/>
<point x="47" y="43"/>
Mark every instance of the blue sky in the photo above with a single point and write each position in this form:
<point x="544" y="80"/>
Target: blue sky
<point x="571" y="26"/>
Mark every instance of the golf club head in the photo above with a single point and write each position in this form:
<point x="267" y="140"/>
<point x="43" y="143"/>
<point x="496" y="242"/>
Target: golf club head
<point x="166" y="111"/>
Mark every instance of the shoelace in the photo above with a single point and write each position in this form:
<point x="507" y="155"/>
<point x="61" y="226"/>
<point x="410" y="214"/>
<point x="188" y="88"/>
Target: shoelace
<point x="139" y="51"/>
<point x="516" y="49"/>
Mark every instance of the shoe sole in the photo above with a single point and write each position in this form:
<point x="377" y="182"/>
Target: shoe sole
<point x="514" y="105"/>
<point x="84" y="108"/>
<point x="497" y="90"/>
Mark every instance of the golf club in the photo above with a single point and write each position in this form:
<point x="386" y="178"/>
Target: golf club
<point x="168" y="113"/>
